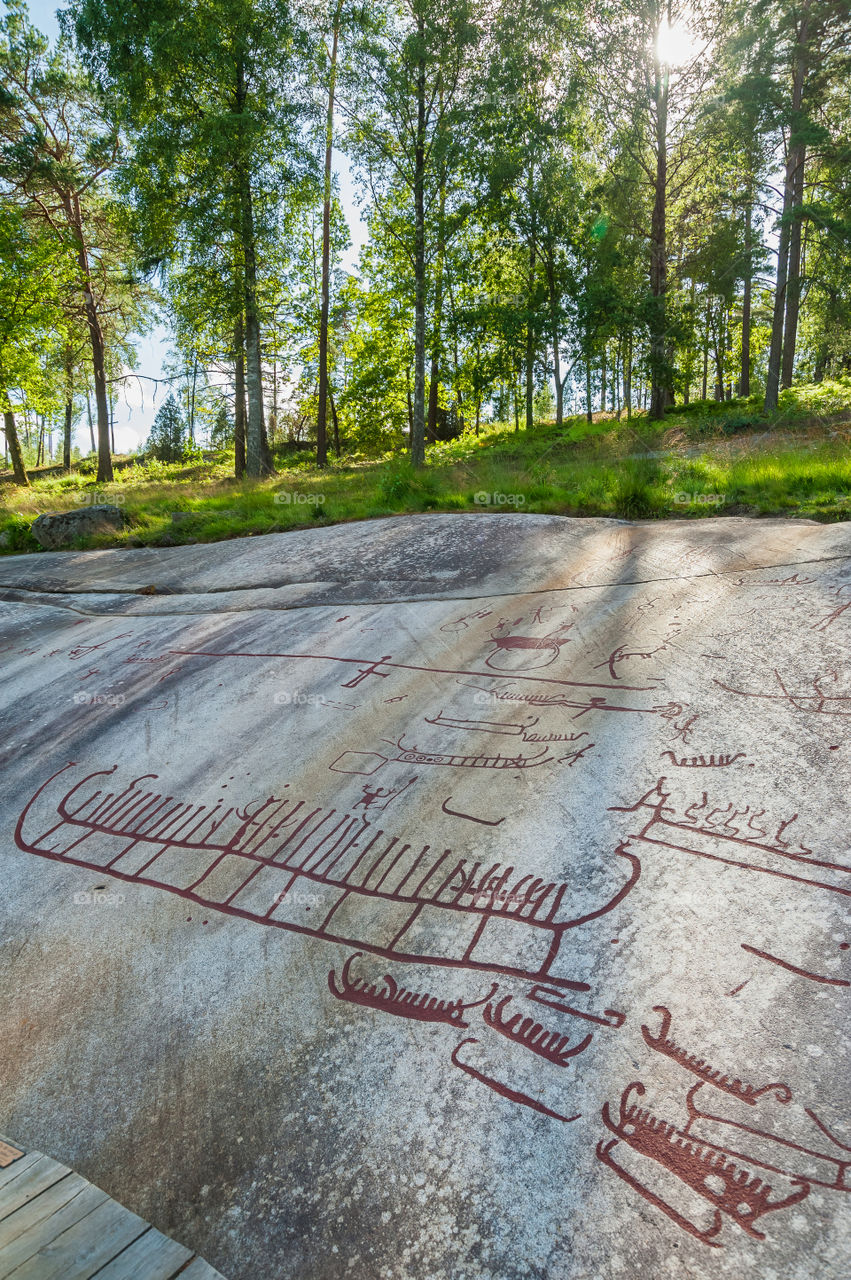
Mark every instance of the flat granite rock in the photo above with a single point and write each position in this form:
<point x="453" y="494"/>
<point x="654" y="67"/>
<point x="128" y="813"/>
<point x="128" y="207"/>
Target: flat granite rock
<point x="440" y="898"/>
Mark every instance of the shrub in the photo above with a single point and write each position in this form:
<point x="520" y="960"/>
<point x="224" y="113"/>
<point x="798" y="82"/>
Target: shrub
<point x="15" y="535"/>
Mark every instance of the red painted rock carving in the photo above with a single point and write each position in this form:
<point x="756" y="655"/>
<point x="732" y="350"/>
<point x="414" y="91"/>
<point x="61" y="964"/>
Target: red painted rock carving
<point x="748" y="1093"/>
<point x="821" y="1160"/>
<point x="817" y="703"/>
<point x="512" y="1095"/>
<point x="793" y="968"/>
<point x="456" y="813"/>
<point x="700" y="762"/>
<point x="555" y="1000"/>
<point x="737" y="837"/>
<point x="709" y="1171"/>
<point x="282" y="863"/>
<point x="525" y="653"/>
<point x="547" y="1044"/>
<point x="388" y="996"/>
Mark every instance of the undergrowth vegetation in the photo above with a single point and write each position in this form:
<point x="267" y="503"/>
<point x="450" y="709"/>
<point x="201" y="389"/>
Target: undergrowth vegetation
<point x="703" y="460"/>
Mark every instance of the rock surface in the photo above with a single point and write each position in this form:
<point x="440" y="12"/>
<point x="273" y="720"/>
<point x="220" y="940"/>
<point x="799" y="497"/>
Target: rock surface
<point x="57" y="528"/>
<point x="450" y="896"/>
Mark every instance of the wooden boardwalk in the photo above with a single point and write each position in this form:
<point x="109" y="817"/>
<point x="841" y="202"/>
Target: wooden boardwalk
<point x="56" y="1226"/>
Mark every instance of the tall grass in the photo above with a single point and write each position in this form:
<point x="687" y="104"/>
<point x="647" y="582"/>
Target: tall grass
<point x="699" y="462"/>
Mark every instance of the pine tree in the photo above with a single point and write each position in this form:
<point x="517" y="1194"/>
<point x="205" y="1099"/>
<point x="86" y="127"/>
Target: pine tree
<point x="169" y="434"/>
<point x="222" y="432"/>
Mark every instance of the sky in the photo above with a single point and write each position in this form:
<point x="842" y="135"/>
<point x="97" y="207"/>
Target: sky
<point x="139" y="399"/>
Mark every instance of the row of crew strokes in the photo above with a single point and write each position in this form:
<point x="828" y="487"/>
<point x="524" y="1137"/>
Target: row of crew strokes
<point x="742" y="1170"/>
<point x="286" y="864"/>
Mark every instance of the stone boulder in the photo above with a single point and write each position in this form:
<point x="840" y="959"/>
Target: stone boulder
<point x="60" y="528"/>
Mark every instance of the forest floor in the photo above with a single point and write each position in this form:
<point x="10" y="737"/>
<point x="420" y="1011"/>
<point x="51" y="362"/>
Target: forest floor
<point x="710" y="459"/>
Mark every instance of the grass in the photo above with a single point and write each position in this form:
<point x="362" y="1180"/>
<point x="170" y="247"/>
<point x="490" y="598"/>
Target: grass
<point x="703" y="461"/>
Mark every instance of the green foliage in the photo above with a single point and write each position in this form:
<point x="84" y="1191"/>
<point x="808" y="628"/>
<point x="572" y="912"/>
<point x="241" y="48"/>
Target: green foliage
<point x="169" y="438"/>
<point x="798" y="467"/>
<point x="556" y="213"/>
<point x="401" y="484"/>
<point x="15" y="536"/>
<point x="635" y="496"/>
<point x="222" y="430"/>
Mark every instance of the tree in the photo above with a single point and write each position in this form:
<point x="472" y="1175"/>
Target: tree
<point x="222" y="430"/>
<point x="322" y="405"/>
<point x="803" y="51"/>
<point x="406" y="129"/>
<point x="36" y="277"/>
<point x="653" y="70"/>
<point x="213" y="99"/>
<point x="169" y="435"/>
<point x="58" y="149"/>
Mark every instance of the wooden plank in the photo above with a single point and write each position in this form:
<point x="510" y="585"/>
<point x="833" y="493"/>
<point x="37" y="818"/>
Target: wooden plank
<point x="8" y="1154"/>
<point x="39" y="1208"/>
<point x="198" y="1269"/>
<point x="84" y="1248"/>
<point x="152" y="1257"/>
<point x="37" y="1178"/>
<point x="41" y="1233"/>
<point x="54" y="1225"/>
<point x="15" y="1170"/>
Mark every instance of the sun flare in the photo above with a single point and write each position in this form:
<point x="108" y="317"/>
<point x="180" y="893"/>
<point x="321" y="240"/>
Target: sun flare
<point x="675" y="44"/>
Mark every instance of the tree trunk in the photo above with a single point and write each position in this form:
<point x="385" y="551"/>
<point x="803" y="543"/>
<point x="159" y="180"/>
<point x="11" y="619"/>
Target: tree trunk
<point x="74" y="214"/>
<point x="239" y="398"/>
<point x="254" y="435"/>
<point x="192" y="400"/>
<point x="530" y="322"/>
<point x="549" y="264"/>
<point x="794" y="159"/>
<point x="437" y="319"/>
<point x="335" y="421"/>
<point x="616" y="399"/>
<point x="91" y="424"/>
<point x="255" y="462"/>
<point x="69" y="408"/>
<point x="659" y="252"/>
<point x="719" y="357"/>
<point x="747" y="297"/>
<point x="589" y="408"/>
<point x="793" y="284"/>
<point x="14" y="445"/>
<point x="559" y="386"/>
<point x="603" y="374"/>
<point x="266" y="453"/>
<point x="101" y="399"/>
<point x="66" y="435"/>
<point x="322" y="405"/>
<point x="418" y="410"/>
